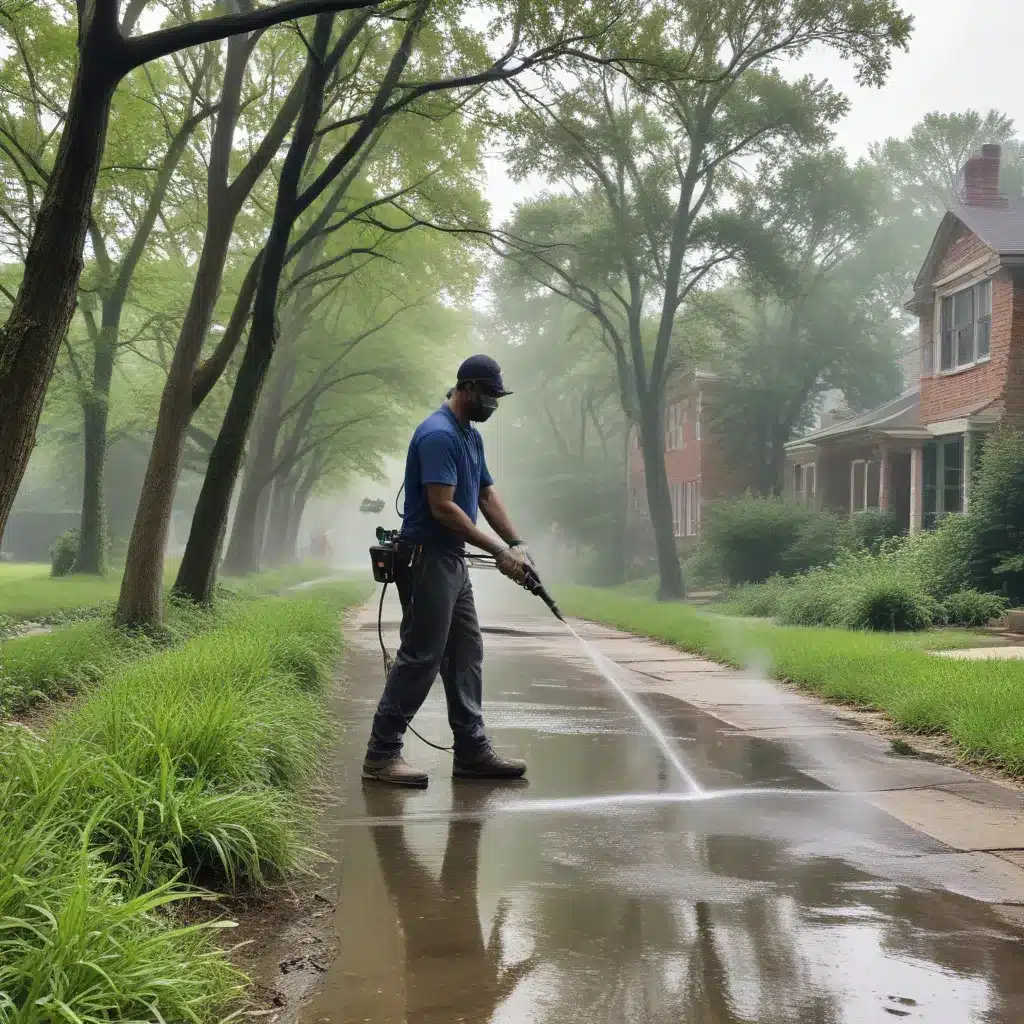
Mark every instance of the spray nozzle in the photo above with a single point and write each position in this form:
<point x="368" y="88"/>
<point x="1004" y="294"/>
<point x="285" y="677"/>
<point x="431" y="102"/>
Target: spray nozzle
<point x="531" y="581"/>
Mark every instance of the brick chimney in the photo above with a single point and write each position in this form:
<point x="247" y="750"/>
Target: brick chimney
<point x="981" y="178"/>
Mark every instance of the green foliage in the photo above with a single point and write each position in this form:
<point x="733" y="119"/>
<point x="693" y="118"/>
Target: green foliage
<point x="753" y="538"/>
<point x="890" y="603"/>
<point x="760" y="600"/>
<point x="190" y="760"/>
<point x="63" y="552"/>
<point x="870" y="529"/>
<point x="978" y="704"/>
<point x="996" y="516"/>
<point x="973" y="608"/>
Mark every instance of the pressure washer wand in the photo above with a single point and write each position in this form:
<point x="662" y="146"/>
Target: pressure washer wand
<point x="531" y="582"/>
<point x="534" y="586"/>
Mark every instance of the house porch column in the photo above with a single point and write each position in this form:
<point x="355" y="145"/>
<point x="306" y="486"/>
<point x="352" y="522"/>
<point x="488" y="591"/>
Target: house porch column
<point x="916" y="488"/>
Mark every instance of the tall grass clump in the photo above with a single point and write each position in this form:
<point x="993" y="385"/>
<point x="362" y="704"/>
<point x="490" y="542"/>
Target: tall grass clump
<point x="201" y="749"/>
<point x="75" y="658"/>
<point x="185" y="769"/>
<point x="79" y="941"/>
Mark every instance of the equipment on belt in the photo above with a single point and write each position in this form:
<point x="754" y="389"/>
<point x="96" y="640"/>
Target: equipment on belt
<point x="383" y="559"/>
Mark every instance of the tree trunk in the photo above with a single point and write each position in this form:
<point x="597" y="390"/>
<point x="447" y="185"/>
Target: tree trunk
<point x="298" y="509"/>
<point x="31" y="338"/>
<point x="242" y="553"/>
<point x="248" y="530"/>
<point x="198" y="571"/>
<point x="92" y="537"/>
<point x="659" y="502"/>
<point x="141" y="599"/>
<point x="282" y="500"/>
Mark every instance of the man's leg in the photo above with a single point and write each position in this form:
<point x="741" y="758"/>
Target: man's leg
<point x="462" y="674"/>
<point x="430" y="591"/>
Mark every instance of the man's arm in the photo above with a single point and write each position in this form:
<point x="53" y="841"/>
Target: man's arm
<point x="449" y="515"/>
<point x="494" y="511"/>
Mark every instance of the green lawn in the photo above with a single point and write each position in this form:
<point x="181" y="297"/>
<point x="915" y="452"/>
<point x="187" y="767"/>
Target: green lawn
<point x="979" y="704"/>
<point x="29" y="593"/>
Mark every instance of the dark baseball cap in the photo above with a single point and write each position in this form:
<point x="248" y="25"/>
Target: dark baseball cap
<point x="485" y="370"/>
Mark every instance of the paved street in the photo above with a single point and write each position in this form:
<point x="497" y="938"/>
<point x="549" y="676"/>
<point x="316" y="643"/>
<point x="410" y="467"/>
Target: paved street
<point x="603" y="891"/>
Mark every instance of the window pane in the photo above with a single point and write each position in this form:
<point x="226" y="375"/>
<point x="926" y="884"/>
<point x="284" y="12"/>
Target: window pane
<point x="798" y="480"/>
<point x="984" y="333"/>
<point x="812" y="473"/>
<point x="963" y="308"/>
<point x="984" y="304"/>
<point x="947" y="351"/>
<point x="859" y="485"/>
<point x="965" y="345"/>
<point x="928" y="472"/>
<point x="873" y="483"/>
<point x="947" y="314"/>
<point x="952" y="475"/>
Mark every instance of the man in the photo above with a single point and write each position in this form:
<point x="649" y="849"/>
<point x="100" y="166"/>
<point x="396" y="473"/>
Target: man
<point x="446" y="483"/>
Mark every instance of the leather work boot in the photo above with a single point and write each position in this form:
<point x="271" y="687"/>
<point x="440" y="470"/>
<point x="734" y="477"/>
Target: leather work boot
<point x="488" y="765"/>
<point x="395" y="771"/>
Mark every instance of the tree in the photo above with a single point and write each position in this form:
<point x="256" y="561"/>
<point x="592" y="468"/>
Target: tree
<point x="922" y="173"/>
<point x="563" y="447"/>
<point x="391" y="94"/>
<point x="650" y="162"/>
<point x="44" y="303"/>
<point x="815" y="317"/>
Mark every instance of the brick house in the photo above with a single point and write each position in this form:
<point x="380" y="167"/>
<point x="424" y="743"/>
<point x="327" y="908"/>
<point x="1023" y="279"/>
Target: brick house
<point x="694" y="461"/>
<point x="914" y="456"/>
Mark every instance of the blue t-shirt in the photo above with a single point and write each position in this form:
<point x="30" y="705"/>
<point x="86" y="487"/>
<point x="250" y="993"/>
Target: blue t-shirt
<point x="442" y="451"/>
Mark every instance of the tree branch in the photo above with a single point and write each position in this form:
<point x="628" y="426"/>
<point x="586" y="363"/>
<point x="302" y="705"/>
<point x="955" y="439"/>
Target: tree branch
<point x="154" y="45"/>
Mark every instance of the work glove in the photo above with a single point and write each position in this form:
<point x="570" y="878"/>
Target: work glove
<point x="512" y="562"/>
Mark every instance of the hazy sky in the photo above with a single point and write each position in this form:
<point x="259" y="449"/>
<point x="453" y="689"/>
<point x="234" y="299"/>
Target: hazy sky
<point x="963" y="53"/>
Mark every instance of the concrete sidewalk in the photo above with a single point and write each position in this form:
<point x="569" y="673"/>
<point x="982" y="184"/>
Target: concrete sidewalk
<point x="980" y="821"/>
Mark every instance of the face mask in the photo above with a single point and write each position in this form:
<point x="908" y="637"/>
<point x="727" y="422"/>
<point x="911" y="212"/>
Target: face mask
<point x="483" y="407"/>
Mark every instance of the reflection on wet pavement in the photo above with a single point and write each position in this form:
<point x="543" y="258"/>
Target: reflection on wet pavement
<point x="479" y="903"/>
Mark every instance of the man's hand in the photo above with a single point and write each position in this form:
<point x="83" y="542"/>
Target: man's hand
<point x="511" y="564"/>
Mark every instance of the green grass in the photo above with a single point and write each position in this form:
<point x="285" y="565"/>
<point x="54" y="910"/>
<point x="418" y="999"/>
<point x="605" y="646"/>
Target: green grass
<point x="979" y="704"/>
<point x="76" y="657"/>
<point x="187" y="767"/>
<point x="28" y="593"/>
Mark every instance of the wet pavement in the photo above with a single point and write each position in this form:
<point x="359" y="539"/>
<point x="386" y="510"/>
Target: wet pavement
<point x="603" y="892"/>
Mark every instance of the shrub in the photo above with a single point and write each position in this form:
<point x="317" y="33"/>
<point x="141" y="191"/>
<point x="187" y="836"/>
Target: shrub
<point x="63" y="553"/>
<point x="754" y="538"/>
<point x="811" y="600"/>
<point x="973" y="608"/>
<point x="759" y="600"/>
<point x="887" y="602"/>
<point x="870" y="529"/>
<point x="996" y="516"/>
<point x="941" y="559"/>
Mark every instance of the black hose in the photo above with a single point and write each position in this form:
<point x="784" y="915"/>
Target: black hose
<point x="387" y="668"/>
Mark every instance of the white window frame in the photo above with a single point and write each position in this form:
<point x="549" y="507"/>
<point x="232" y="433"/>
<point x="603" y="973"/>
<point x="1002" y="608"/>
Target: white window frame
<point x="941" y="295"/>
<point x="863" y="505"/>
<point x="675" y="418"/>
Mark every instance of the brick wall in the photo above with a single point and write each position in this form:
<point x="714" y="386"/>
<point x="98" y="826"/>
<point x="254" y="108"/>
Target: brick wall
<point x="1013" y="391"/>
<point x="945" y="396"/>
<point x="965" y="248"/>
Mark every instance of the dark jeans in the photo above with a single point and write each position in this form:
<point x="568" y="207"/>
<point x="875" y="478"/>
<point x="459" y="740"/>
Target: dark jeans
<point x="440" y="634"/>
